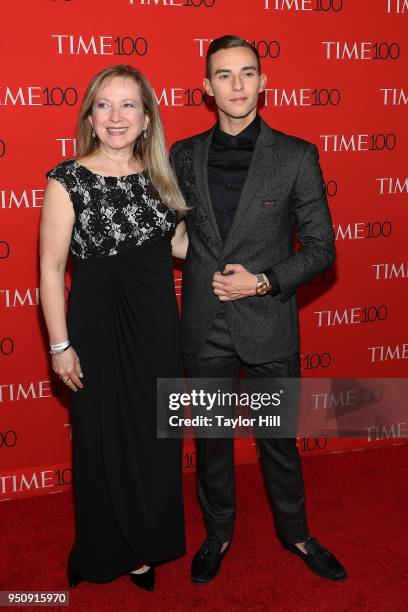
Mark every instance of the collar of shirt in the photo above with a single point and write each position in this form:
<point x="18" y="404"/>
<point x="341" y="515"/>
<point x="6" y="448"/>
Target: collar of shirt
<point x="245" y="140"/>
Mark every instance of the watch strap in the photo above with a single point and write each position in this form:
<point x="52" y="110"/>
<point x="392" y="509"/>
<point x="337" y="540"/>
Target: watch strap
<point x="273" y="282"/>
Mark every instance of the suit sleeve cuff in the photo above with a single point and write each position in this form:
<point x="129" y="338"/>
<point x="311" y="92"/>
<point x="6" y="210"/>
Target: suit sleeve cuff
<point x="273" y="281"/>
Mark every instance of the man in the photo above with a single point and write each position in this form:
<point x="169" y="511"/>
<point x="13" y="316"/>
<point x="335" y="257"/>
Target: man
<point x="249" y="187"/>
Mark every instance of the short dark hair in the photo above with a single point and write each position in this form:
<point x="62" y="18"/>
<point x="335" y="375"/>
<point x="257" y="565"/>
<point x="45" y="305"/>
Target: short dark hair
<point x="229" y="41"/>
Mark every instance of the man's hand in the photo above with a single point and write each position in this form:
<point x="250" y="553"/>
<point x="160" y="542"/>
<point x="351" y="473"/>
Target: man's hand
<point x="234" y="283"/>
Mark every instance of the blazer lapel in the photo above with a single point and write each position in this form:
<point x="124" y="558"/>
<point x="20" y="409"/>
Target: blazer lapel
<point x="264" y="161"/>
<point x="200" y="161"/>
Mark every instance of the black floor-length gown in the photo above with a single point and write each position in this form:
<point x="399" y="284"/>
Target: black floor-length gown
<point x="123" y="323"/>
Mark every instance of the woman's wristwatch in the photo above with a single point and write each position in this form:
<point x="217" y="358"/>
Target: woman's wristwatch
<point x="262" y="285"/>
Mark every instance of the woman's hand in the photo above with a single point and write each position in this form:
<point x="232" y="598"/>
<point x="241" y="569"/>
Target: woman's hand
<point x="179" y="242"/>
<point x="67" y="366"/>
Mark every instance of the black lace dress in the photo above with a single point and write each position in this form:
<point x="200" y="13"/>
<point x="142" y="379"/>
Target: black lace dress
<point x="123" y="323"/>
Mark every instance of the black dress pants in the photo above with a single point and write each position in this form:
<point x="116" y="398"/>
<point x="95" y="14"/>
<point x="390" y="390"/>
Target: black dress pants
<point x="279" y="457"/>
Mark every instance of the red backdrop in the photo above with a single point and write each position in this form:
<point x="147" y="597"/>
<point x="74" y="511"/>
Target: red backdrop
<point x="335" y="76"/>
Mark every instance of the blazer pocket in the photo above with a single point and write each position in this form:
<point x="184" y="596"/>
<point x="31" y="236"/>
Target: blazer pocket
<point x="269" y="203"/>
<point x="267" y="207"/>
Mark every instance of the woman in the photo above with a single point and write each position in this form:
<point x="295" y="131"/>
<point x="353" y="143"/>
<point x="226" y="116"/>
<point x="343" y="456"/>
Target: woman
<point x="115" y="208"/>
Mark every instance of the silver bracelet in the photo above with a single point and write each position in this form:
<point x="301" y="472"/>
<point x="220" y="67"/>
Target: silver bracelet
<point x="59" y="351"/>
<point x="59" y="346"/>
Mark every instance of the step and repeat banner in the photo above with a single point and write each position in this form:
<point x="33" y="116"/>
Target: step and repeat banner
<point x="336" y="74"/>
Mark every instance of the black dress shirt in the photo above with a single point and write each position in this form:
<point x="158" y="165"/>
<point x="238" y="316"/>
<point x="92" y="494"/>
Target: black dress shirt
<point x="228" y="163"/>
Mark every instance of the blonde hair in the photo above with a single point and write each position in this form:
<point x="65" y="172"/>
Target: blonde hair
<point x="151" y="151"/>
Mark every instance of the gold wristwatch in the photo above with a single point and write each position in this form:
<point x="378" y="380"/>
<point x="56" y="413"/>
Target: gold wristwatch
<point x="262" y="285"/>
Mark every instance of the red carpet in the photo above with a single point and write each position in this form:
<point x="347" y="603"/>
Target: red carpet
<point x="357" y="506"/>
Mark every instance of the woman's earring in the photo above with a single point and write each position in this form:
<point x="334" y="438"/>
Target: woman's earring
<point x="93" y="134"/>
<point x="145" y="133"/>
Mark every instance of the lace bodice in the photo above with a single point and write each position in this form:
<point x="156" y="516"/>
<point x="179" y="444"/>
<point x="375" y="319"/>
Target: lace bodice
<point x="112" y="213"/>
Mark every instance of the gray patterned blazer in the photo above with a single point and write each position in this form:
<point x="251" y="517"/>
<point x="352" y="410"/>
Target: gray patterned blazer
<point x="283" y="194"/>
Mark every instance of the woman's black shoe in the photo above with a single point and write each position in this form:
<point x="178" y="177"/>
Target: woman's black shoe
<point x="144" y="581"/>
<point x="73" y="577"/>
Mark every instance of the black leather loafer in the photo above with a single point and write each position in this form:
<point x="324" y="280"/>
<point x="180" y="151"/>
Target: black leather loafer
<point x="320" y="560"/>
<point x="207" y="561"/>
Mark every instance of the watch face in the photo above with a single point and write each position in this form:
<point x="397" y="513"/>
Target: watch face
<point x="262" y="288"/>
